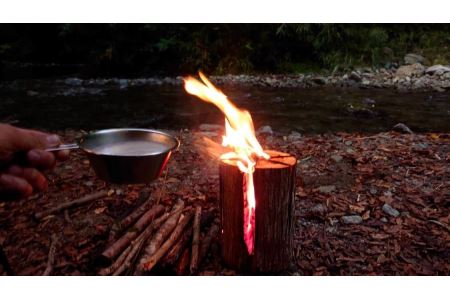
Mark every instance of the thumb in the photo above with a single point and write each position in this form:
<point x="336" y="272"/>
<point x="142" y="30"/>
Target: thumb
<point x="25" y="139"/>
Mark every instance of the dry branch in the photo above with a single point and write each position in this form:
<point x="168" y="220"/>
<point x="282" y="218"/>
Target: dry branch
<point x="130" y="235"/>
<point x="206" y="243"/>
<point x="183" y="263"/>
<point x="51" y="256"/>
<point x="195" y="240"/>
<point x="131" y="250"/>
<point x="177" y="250"/>
<point x="182" y="223"/>
<point x="66" y="205"/>
<point x="169" y="261"/>
<point x="165" y="230"/>
<point x="131" y="218"/>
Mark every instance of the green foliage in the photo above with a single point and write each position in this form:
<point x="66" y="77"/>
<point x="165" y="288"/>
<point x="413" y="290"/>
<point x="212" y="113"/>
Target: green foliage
<point x="136" y="49"/>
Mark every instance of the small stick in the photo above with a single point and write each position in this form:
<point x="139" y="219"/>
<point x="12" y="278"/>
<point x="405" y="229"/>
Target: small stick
<point x="122" y="259"/>
<point x="117" y="228"/>
<point x="118" y="246"/>
<point x="206" y="243"/>
<point x="182" y="223"/>
<point x="82" y="200"/>
<point x="177" y="250"/>
<point x="161" y="235"/>
<point x="183" y="263"/>
<point x="169" y="261"/>
<point x="51" y="256"/>
<point x="195" y="240"/>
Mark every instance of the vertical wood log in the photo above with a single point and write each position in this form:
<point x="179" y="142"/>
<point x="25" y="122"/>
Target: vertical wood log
<point x="274" y="182"/>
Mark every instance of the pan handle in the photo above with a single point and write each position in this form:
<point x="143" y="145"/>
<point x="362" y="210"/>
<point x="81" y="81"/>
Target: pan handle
<point x="63" y="147"/>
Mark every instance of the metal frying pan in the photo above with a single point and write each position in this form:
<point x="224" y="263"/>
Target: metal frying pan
<point x="126" y="155"/>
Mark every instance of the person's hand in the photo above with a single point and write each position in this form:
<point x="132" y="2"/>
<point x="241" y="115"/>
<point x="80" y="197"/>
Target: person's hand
<point x="23" y="176"/>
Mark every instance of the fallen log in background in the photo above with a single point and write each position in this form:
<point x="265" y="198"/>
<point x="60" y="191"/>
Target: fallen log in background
<point x="118" y="246"/>
<point x="63" y="206"/>
<point x="274" y="183"/>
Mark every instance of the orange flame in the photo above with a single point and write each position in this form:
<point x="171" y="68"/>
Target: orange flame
<point x="240" y="136"/>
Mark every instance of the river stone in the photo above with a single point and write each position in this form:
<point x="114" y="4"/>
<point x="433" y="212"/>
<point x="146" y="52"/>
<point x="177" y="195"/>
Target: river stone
<point x="73" y="81"/>
<point x="410" y="70"/>
<point x="402" y="128"/>
<point x="337" y="158"/>
<point x="437" y="69"/>
<point x="412" y="58"/>
<point x="390" y="210"/>
<point x="351" y="219"/>
<point x="210" y="127"/>
<point x="327" y="189"/>
<point x="355" y="76"/>
<point x="31" y="93"/>
<point x="265" y="130"/>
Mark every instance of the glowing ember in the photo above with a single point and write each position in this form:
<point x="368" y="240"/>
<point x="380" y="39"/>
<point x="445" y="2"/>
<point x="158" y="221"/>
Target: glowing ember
<point x="240" y="136"/>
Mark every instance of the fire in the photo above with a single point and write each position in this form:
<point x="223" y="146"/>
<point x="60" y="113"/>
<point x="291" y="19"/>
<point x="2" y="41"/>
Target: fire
<point x="240" y="136"/>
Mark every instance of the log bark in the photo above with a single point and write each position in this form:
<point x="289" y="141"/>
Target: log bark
<point x="195" y="240"/>
<point x="274" y="183"/>
<point x="118" y="246"/>
<point x="63" y="206"/>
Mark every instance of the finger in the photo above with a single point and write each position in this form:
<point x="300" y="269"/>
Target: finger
<point x="62" y="155"/>
<point x="31" y="175"/>
<point x="41" y="159"/>
<point x="25" y="139"/>
<point x="12" y="183"/>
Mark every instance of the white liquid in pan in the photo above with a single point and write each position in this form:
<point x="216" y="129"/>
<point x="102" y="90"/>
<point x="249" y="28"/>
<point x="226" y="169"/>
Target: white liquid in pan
<point x="131" y="148"/>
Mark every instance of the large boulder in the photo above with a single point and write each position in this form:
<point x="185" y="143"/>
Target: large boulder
<point x="412" y="58"/>
<point x="437" y="69"/>
<point x="410" y="70"/>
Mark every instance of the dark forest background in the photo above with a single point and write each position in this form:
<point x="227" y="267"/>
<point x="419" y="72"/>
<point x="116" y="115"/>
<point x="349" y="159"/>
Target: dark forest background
<point x="36" y="50"/>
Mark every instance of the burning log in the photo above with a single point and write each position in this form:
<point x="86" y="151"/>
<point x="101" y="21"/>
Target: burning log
<point x="182" y="223"/>
<point x="126" y="239"/>
<point x="274" y="187"/>
<point x="63" y="206"/>
<point x="195" y="240"/>
<point x="165" y="230"/>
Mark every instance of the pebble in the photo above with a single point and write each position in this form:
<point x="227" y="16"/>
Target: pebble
<point x="265" y="130"/>
<point x="390" y="210"/>
<point x="402" y="128"/>
<point x="355" y="219"/>
<point x="327" y="189"/>
<point x="337" y="158"/>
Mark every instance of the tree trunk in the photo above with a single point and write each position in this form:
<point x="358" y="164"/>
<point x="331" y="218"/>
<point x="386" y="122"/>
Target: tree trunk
<point x="274" y="182"/>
